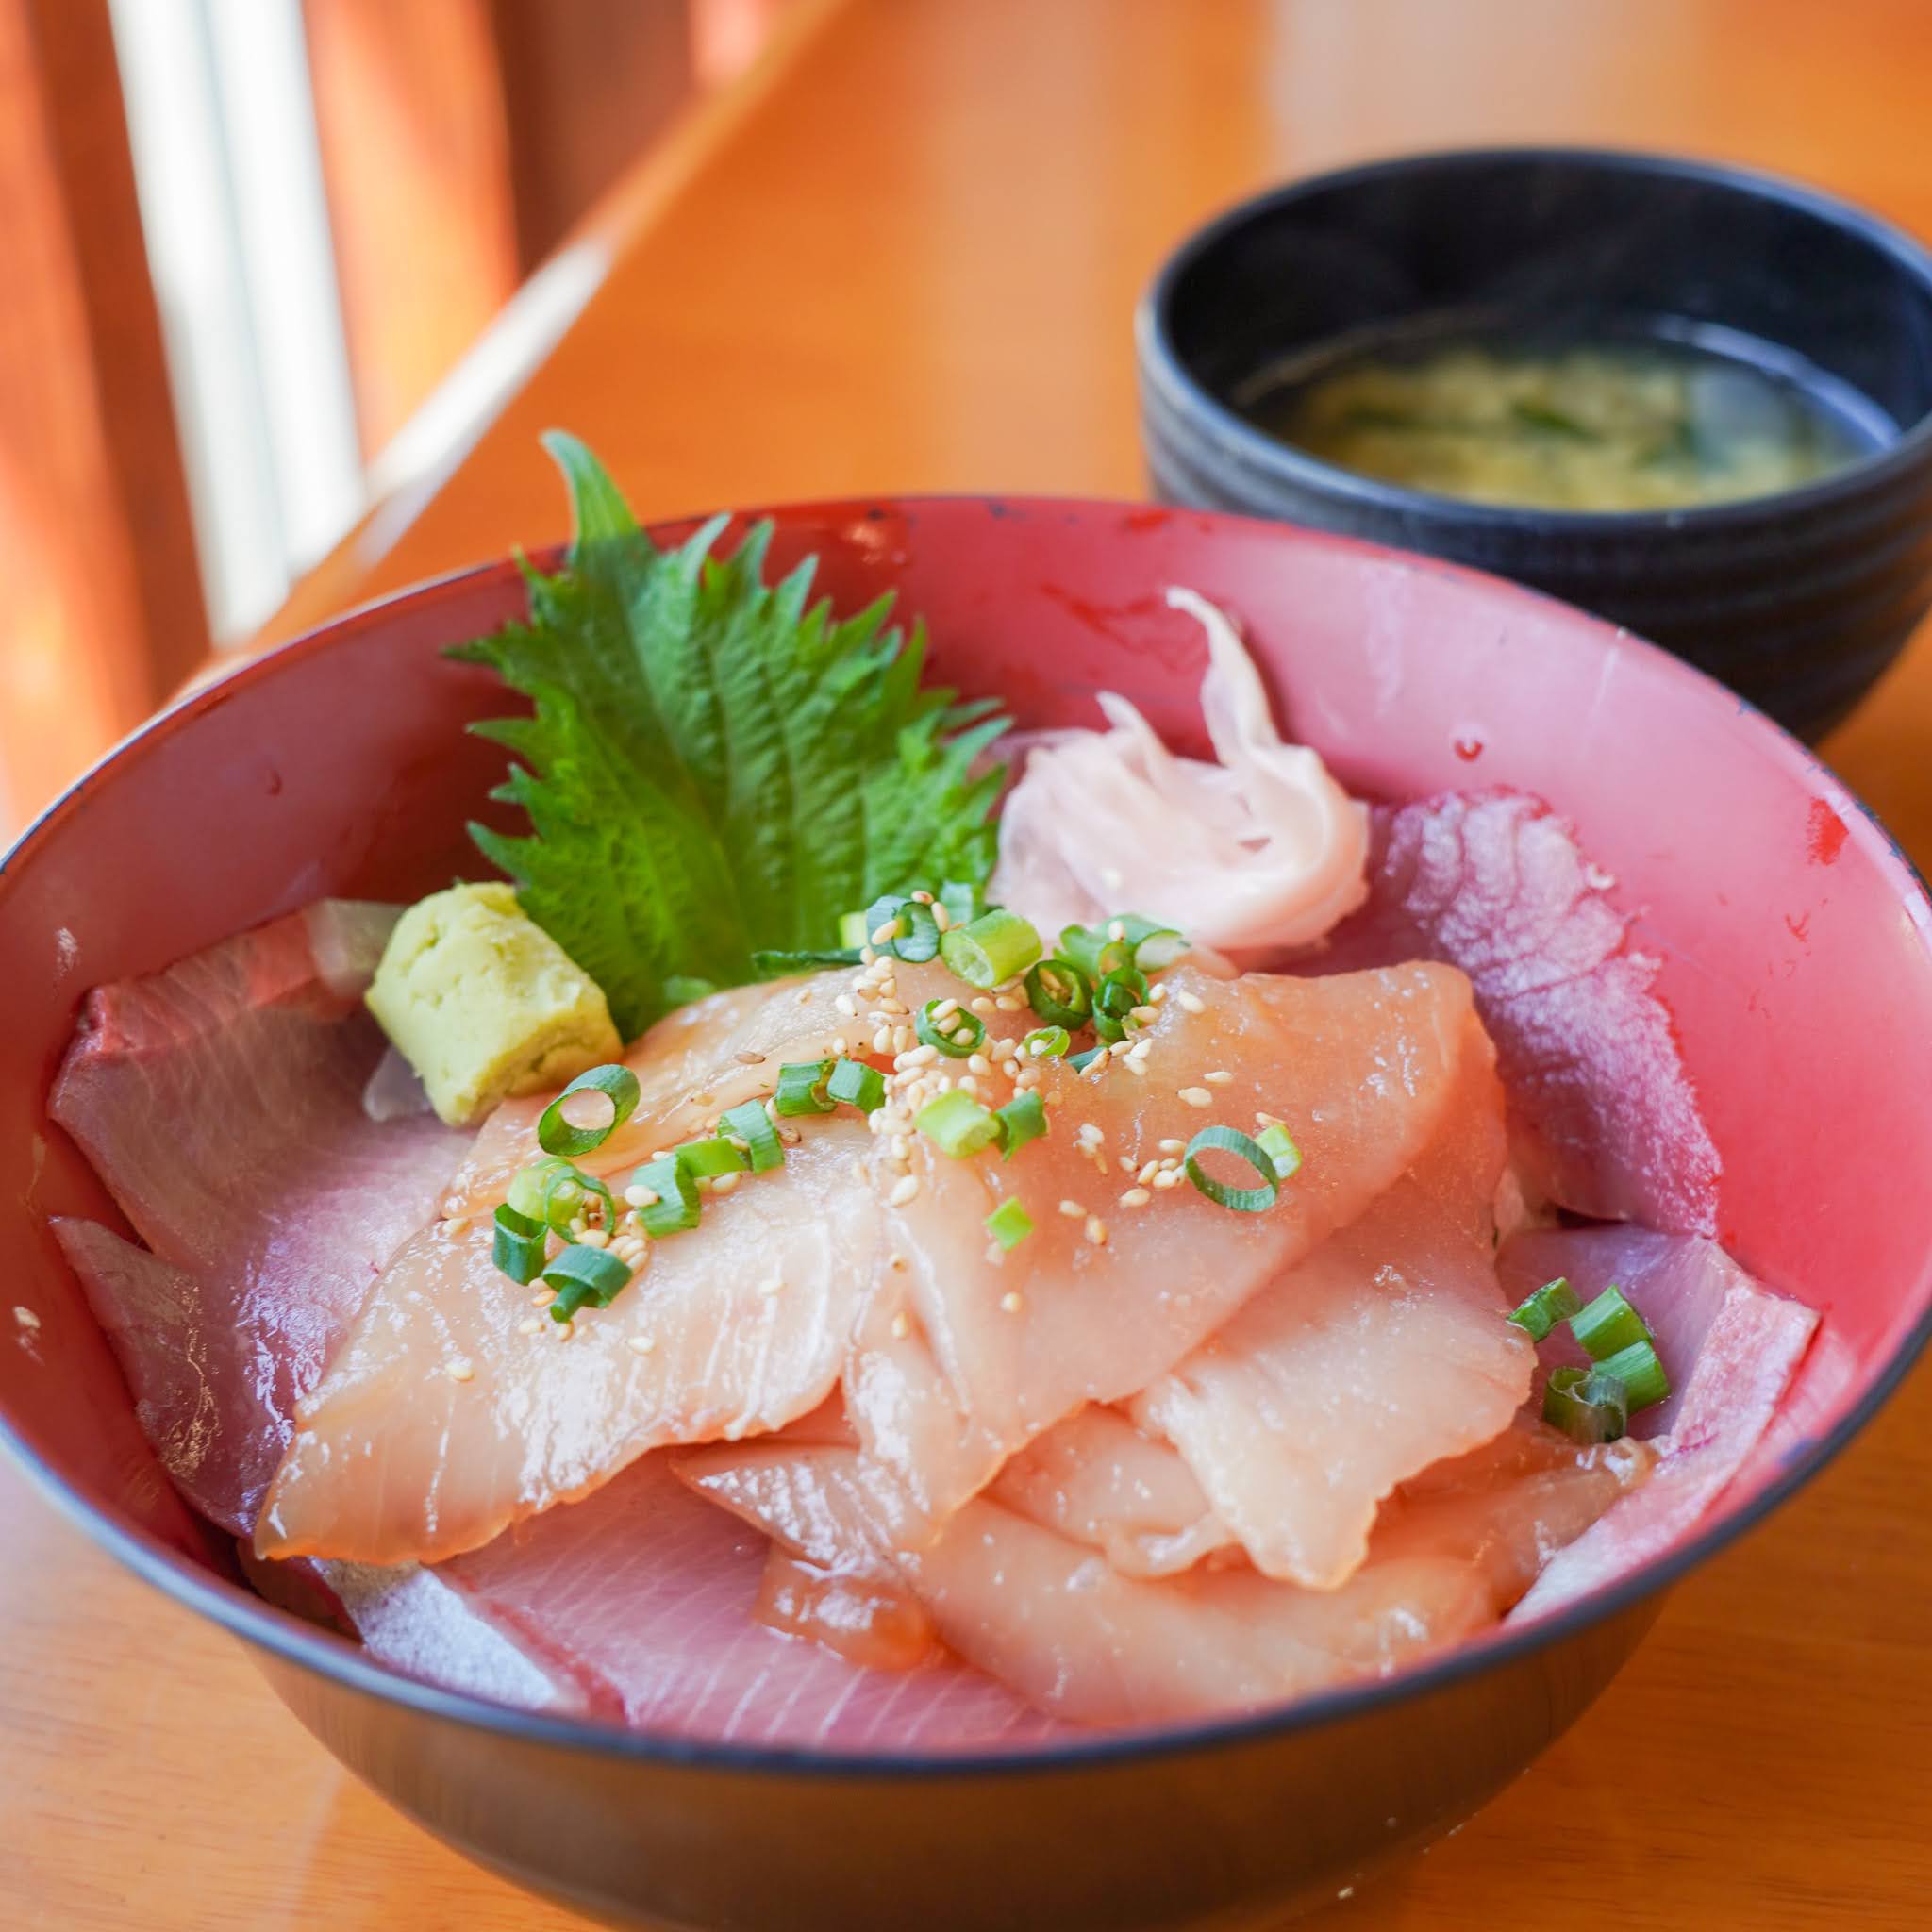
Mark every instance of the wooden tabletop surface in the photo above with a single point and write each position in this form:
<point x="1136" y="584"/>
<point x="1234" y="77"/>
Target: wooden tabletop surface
<point x="903" y="256"/>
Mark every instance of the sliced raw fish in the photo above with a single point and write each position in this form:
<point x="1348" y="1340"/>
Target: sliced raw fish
<point x="1383" y="1352"/>
<point x="966" y="1353"/>
<point x="1730" y="1347"/>
<point x="698" y="1061"/>
<point x="1096" y="1480"/>
<point x="221" y="1104"/>
<point x="1603" y="1110"/>
<point x="442" y="1421"/>
<point x="648" y="1595"/>
<point x="1051" y="1617"/>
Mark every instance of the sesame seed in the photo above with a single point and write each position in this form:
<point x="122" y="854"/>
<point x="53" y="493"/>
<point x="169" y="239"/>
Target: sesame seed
<point x="1155" y="995"/>
<point x="1116" y="930"/>
<point x="565" y="1330"/>
<point x="1167" y="1178"/>
<point x="1144" y="1016"/>
<point x="1073" y="1210"/>
<point x="457" y="1224"/>
<point x="1006" y="1003"/>
<point x="745" y="1058"/>
<point x="594" y="1238"/>
<point x="805" y="995"/>
<point x="1147" y="1173"/>
<point x="1219" y="1078"/>
<point x="838" y="1043"/>
<point x="771" y="1284"/>
<point x="1089" y="1132"/>
<point x="924" y="897"/>
<point x="888" y="930"/>
<point x="529" y="1326"/>
<point x="916" y="1056"/>
<point x="940" y="917"/>
<point x="1197" y="1096"/>
<point x="460" y="1371"/>
<point x="1173" y="1146"/>
<point x="1136" y="1197"/>
<point x="1013" y="1302"/>
<point x="640" y="1345"/>
<point x="1190" y="1003"/>
<point x="903" y="1191"/>
<point x="1266" y="1119"/>
<point x="895" y="1260"/>
<point x="898" y="1007"/>
<point x="540" y="1297"/>
<point x="724" y="1183"/>
<point x="578" y="1228"/>
<point x="1095" y="1230"/>
<point x="901" y="1327"/>
<point x="847" y="1004"/>
<point x="791" y="1136"/>
<point x="1135" y="1063"/>
<point x="982" y="1005"/>
<point x="978" y="1063"/>
<point x="945" y="1009"/>
<point x="27" y="1320"/>
<point x="882" y="1043"/>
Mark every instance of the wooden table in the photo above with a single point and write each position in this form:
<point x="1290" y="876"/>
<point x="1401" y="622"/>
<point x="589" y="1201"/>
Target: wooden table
<point x="903" y="256"/>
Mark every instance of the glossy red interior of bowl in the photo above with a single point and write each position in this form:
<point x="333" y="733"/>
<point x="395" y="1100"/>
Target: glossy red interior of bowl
<point x="1793" y="938"/>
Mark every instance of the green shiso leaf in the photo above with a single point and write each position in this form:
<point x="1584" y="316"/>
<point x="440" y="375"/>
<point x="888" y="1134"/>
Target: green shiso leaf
<point x="713" y="765"/>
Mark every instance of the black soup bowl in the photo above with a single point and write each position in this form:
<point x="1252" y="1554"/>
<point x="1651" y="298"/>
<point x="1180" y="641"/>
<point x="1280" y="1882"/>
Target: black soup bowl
<point x="1798" y="599"/>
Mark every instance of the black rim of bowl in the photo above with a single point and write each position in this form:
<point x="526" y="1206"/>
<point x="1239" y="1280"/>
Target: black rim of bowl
<point x="239" y="1611"/>
<point x="1258" y="453"/>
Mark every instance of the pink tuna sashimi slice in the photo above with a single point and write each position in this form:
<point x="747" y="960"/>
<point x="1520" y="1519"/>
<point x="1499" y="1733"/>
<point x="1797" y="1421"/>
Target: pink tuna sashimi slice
<point x="1603" y="1110"/>
<point x="221" y="1103"/>
<point x="736" y="1326"/>
<point x="219" y="1441"/>
<point x="648" y="1593"/>
<point x="965" y="1353"/>
<point x="1730" y="1347"/>
<point x="1051" y="1617"/>
<point x="1382" y="1352"/>
<point x="1098" y="1480"/>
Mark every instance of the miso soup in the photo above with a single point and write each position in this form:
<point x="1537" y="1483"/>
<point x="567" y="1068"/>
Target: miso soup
<point x="1624" y="422"/>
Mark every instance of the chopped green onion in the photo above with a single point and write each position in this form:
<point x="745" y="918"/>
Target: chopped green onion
<point x="1154" y="945"/>
<point x="582" y="1275"/>
<point x="990" y="949"/>
<point x="1282" y="1151"/>
<point x="1588" y="1405"/>
<point x="802" y="1088"/>
<point x="1047" y="1042"/>
<point x="1060" y="993"/>
<point x="853" y="930"/>
<point x="681" y="989"/>
<point x="1081" y="944"/>
<point x="1642" y="1373"/>
<point x="857" y="1084"/>
<point x="1232" y="1140"/>
<point x="706" y="1160"/>
<point x="1023" y="1119"/>
<point x="1010" y="1225"/>
<point x="1607" y="1323"/>
<point x="1555" y="1301"/>
<point x="676" y="1207"/>
<point x="1081" y="1061"/>
<point x="520" y="1245"/>
<point x="749" y="1123"/>
<point x="958" y="1035"/>
<point x="616" y="1083"/>
<point x="1114" y="1000"/>
<point x="566" y="1197"/>
<point x="911" y="933"/>
<point x="958" y="1124"/>
<point x="777" y="965"/>
<point x="964" y="902"/>
<point x="528" y="1185"/>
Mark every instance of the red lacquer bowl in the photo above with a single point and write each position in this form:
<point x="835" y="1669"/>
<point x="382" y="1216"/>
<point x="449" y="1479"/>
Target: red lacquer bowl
<point x="1794" y="942"/>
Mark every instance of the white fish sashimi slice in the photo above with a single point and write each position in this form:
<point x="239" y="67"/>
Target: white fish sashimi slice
<point x="700" y="1060"/>
<point x="1096" y="1480"/>
<point x="648" y="1594"/>
<point x="442" y="1423"/>
<point x="966" y="1353"/>
<point x="1051" y="1617"/>
<point x="1730" y="1347"/>
<point x="1382" y="1352"/>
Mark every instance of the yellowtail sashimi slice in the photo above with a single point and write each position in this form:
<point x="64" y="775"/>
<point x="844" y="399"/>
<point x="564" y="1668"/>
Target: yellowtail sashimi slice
<point x="442" y="1420"/>
<point x="1382" y="1352"/>
<point x="967" y="1353"/>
